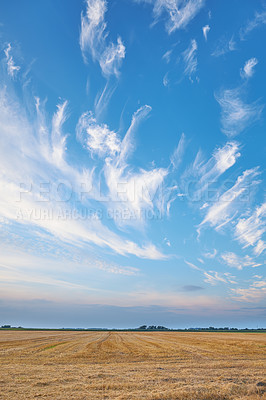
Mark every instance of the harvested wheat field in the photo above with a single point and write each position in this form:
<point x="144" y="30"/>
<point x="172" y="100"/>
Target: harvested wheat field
<point x="132" y="365"/>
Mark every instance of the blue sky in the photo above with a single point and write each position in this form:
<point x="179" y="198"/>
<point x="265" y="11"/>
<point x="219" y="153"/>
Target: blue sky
<point x="132" y="163"/>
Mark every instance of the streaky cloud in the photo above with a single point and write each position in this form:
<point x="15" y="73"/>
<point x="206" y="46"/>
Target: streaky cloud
<point x="93" y="39"/>
<point x="103" y="98"/>
<point x="127" y="145"/>
<point x="248" y="69"/>
<point x="251" y="294"/>
<point x="167" y="56"/>
<point x="190" y="59"/>
<point x="236" y="114"/>
<point x="39" y="180"/>
<point x="258" y="20"/>
<point x="210" y="254"/>
<point x="180" y="12"/>
<point x="227" y="206"/>
<point x="111" y="58"/>
<point x="235" y="261"/>
<point x="178" y="154"/>
<point x="224" y="46"/>
<point x="249" y="231"/>
<point x="213" y="277"/>
<point x="58" y="139"/>
<point x="12" y="69"/>
<point x="203" y="173"/>
<point x="205" y="30"/>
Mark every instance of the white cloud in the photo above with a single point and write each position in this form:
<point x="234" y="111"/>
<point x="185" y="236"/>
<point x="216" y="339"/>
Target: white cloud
<point x="178" y="154"/>
<point x="92" y="34"/>
<point x="103" y="97"/>
<point x="58" y="140"/>
<point x="227" y="206"/>
<point x="180" y="12"/>
<point x="93" y="39"/>
<point x="210" y="254"/>
<point x="260" y="247"/>
<point x="166" y="80"/>
<point x="226" y="156"/>
<point x="33" y="160"/>
<point x="224" y="46"/>
<point x="127" y="145"/>
<point x="12" y="69"/>
<point x="248" y="69"/>
<point x="132" y="195"/>
<point x="98" y="139"/>
<point x="206" y="29"/>
<point x="236" y="114"/>
<point x="214" y="277"/>
<point x="193" y="266"/>
<point x="37" y="271"/>
<point x="203" y="174"/>
<point x="258" y="20"/>
<point x="235" y="261"/>
<point x="167" y="242"/>
<point x="117" y="270"/>
<point x="253" y="294"/>
<point x="249" y="231"/>
<point x="190" y="59"/>
<point x="111" y="58"/>
<point x="167" y="56"/>
<point x="9" y="275"/>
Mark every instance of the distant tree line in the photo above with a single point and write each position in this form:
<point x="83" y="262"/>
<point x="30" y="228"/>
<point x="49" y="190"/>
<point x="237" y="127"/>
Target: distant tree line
<point x="145" y="328"/>
<point x="153" y="327"/>
<point x="209" y="329"/>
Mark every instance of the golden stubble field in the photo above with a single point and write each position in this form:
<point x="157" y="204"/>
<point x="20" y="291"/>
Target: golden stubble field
<point x="132" y="365"/>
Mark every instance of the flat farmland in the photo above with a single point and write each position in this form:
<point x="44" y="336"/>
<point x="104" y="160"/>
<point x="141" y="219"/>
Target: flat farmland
<point x="132" y="365"/>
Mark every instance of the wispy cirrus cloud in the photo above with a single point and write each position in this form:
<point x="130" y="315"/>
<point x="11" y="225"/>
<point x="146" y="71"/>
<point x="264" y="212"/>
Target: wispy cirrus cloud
<point x="41" y="186"/>
<point x="94" y="39"/>
<point x="43" y="272"/>
<point x="205" y="30"/>
<point x="252" y="294"/>
<point x="190" y="59"/>
<point x="250" y="230"/>
<point x="213" y="277"/>
<point x="166" y="80"/>
<point x="235" y="261"/>
<point x="258" y="20"/>
<point x="224" y="46"/>
<point x="178" y="153"/>
<point x="209" y="254"/>
<point x="248" y="69"/>
<point x="229" y="202"/>
<point x="12" y="68"/>
<point x="130" y="192"/>
<point x="203" y="174"/>
<point x="236" y="114"/>
<point x="167" y="56"/>
<point x="193" y="266"/>
<point x="137" y="190"/>
<point x="179" y="12"/>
